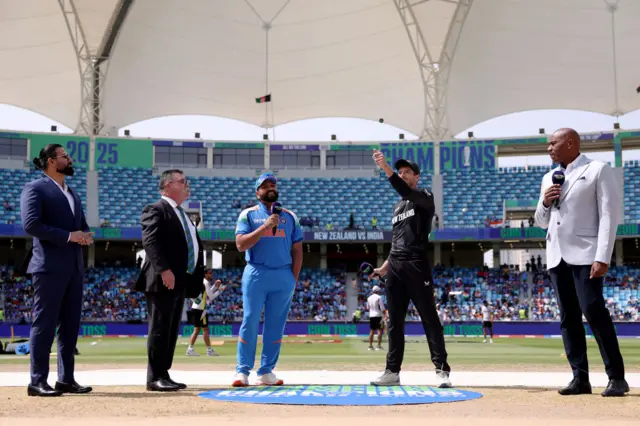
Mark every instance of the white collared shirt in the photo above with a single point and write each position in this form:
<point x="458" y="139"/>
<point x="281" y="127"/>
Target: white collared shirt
<point x="192" y="228"/>
<point x="67" y="193"/>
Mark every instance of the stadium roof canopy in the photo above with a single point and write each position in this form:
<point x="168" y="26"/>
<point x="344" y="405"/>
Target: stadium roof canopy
<point x="423" y="65"/>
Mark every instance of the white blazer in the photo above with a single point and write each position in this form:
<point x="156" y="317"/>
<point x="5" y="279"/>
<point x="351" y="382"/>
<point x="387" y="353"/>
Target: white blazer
<point x="583" y="228"/>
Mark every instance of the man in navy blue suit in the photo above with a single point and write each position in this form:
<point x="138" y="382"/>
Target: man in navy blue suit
<point x="52" y="214"/>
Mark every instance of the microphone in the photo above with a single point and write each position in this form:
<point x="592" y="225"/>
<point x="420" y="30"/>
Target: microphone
<point x="276" y="208"/>
<point x="557" y="178"/>
<point x="367" y="268"/>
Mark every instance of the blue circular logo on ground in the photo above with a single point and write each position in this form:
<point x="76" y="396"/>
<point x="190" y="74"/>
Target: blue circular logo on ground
<point x="340" y="395"/>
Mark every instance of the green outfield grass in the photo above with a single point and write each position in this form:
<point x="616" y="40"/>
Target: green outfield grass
<point x="352" y="351"/>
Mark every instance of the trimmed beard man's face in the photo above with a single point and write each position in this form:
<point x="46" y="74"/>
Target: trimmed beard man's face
<point x="268" y="192"/>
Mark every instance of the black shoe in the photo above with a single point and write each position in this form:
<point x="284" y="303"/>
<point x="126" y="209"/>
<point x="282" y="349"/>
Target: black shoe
<point x="162" y="385"/>
<point x="576" y="387"/>
<point x="42" y="389"/>
<point x="179" y="385"/>
<point x="616" y="387"/>
<point x="72" y="388"/>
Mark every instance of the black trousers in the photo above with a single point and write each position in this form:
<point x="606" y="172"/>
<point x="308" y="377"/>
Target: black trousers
<point x="577" y="295"/>
<point x="164" y="310"/>
<point x="412" y="280"/>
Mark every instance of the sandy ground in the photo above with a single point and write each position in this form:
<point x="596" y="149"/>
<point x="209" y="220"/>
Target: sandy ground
<point x="134" y="406"/>
<point x="231" y="365"/>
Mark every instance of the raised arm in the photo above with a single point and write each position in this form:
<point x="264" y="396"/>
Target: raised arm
<point x="419" y="196"/>
<point x="543" y="213"/>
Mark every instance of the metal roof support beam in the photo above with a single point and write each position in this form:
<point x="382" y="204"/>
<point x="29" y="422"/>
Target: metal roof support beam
<point x="434" y="71"/>
<point x="90" y="78"/>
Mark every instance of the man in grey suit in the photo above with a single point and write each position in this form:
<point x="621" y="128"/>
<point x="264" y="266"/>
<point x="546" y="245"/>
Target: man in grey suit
<point x="581" y="217"/>
<point x="52" y="214"/>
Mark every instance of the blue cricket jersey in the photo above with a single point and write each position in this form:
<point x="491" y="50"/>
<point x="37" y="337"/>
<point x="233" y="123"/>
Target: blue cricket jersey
<point x="271" y="251"/>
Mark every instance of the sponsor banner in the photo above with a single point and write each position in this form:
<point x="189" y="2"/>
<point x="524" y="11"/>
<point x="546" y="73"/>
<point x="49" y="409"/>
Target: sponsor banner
<point x="297" y="147"/>
<point x="348" y="236"/>
<point x="456" y="155"/>
<point x="110" y="152"/>
<point x="320" y="329"/>
<point x="446" y="234"/>
<point x="340" y="395"/>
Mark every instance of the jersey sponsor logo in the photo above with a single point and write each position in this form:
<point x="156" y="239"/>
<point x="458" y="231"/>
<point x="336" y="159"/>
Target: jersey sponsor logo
<point x="269" y="233"/>
<point x="259" y="220"/>
<point x="403" y="216"/>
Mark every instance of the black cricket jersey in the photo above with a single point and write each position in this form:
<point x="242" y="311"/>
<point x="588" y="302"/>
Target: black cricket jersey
<point x="412" y="218"/>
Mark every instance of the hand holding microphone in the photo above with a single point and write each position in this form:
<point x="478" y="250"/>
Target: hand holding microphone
<point x="272" y="221"/>
<point x="552" y="194"/>
<point x="368" y="269"/>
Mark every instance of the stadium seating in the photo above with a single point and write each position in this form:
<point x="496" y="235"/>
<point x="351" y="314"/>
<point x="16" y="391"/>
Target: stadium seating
<point x="321" y="293"/>
<point x="470" y="196"/>
<point x="124" y="192"/>
<point x="107" y="296"/>
<point x="14" y="180"/>
<point x="631" y="191"/>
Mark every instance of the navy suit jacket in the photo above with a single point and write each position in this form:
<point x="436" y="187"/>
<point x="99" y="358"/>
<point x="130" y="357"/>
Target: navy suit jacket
<point x="46" y="216"/>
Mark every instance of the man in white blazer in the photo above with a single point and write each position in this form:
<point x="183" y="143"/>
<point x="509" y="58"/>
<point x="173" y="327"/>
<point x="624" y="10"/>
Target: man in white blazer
<point x="581" y="217"/>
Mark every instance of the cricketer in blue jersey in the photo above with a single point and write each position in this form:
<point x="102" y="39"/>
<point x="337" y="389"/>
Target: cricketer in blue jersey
<point x="274" y="259"/>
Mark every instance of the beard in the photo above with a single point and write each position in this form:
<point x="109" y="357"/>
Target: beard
<point x="270" y="196"/>
<point x="67" y="170"/>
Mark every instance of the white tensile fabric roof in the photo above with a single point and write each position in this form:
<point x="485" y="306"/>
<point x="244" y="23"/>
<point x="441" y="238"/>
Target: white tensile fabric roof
<point x="327" y="58"/>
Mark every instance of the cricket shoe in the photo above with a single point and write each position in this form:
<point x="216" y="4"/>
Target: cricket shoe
<point x="192" y="352"/>
<point x="269" y="379"/>
<point x="388" y="378"/>
<point x="211" y="352"/>
<point x="241" y="380"/>
<point x="443" y="377"/>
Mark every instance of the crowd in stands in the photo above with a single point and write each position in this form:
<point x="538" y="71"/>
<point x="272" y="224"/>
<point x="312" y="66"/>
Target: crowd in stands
<point x="321" y="295"/>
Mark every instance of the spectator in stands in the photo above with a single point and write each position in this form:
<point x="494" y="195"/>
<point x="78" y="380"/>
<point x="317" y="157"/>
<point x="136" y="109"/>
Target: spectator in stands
<point x="105" y="223"/>
<point x="59" y="229"/>
<point x="7" y="206"/>
<point x="374" y="222"/>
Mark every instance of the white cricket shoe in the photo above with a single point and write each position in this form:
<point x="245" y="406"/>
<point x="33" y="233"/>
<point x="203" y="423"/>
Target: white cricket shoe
<point x="387" y="379"/>
<point x="211" y="352"/>
<point x="443" y="376"/>
<point x="269" y="379"/>
<point x="379" y="348"/>
<point x="370" y="348"/>
<point x="241" y="380"/>
<point x="192" y="352"/>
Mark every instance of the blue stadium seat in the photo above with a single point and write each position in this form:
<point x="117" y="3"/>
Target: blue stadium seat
<point x="14" y="181"/>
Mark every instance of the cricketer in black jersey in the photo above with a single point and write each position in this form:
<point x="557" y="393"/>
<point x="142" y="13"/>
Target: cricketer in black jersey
<point x="408" y="273"/>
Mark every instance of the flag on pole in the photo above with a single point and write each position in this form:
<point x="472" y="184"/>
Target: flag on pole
<point x="264" y="99"/>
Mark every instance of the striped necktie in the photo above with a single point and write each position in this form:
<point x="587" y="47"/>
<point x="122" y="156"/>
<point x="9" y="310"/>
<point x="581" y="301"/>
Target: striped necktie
<point x="191" y="264"/>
